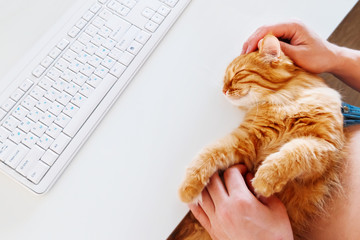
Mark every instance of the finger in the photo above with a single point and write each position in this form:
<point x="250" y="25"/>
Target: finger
<point x="200" y="215"/>
<point x="216" y="190"/>
<point x="288" y="50"/>
<point x="234" y="180"/>
<point x="248" y="179"/>
<point x="206" y="203"/>
<point x="281" y="30"/>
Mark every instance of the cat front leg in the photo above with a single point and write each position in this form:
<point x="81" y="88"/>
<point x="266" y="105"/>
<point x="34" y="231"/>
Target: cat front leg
<point x="232" y="149"/>
<point x="301" y="158"/>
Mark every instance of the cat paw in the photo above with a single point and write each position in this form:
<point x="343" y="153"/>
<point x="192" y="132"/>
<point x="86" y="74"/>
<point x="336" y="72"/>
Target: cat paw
<point x="191" y="189"/>
<point x="267" y="182"/>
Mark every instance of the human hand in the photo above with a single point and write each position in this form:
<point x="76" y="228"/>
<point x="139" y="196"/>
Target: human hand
<point x="232" y="212"/>
<point x="298" y="42"/>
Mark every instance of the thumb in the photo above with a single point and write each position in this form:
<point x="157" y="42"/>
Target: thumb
<point x="288" y="49"/>
<point x="272" y="202"/>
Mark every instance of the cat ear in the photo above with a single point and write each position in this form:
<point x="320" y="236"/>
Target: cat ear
<point x="270" y="46"/>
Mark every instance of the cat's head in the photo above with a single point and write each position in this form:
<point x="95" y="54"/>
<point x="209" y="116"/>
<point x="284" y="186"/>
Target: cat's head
<point x="259" y="75"/>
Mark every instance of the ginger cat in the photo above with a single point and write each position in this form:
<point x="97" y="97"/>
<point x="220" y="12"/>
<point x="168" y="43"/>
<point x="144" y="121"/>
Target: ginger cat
<point x="291" y="138"/>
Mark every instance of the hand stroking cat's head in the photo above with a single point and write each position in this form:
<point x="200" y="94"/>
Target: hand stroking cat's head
<point x="258" y="76"/>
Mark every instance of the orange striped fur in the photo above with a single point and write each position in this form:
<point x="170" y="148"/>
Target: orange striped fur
<point x="291" y="138"/>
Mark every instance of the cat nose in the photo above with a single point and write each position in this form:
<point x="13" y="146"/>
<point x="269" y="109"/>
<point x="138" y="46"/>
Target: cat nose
<point x="225" y="89"/>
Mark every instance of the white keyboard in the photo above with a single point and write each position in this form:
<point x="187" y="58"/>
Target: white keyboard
<point x="59" y="97"/>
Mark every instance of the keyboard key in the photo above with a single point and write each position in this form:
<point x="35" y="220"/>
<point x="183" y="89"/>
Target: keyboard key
<point x="86" y="90"/>
<point x="17" y="136"/>
<point x="25" y="125"/>
<point x="46" y="62"/>
<point x="134" y="47"/>
<point x="51" y="94"/>
<point x="108" y="62"/>
<point x="45" y="141"/>
<point x="77" y="47"/>
<point x="128" y="3"/>
<point x="151" y="26"/>
<point x="93" y="81"/>
<point x="4" y="133"/>
<point x="71" y="88"/>
<point x="79" y="79"/>
<point x="126" y="58"/>
<point x="54" y="130"/>
<point x="38" y="129"/>
<point x="47" y="118"/>
<point x="17" y="95"/>
<point x="81" y="23"/>
<point x="74" y="31"/>
<point x="84" y="38"/>
<point x="26" y="85"/>
<point x="46" y="83"/>
<point x="78" y="100"/>
<point x="6" y="149"/>
<point x="83" y="57"/>
<point x="29" y="161"/>
<point x="105" y="32"/>
<point x="163" y="10"/>
<point x="43" y="104"/>
<point x="37" y="172"/>
<point x="37" y="92"/>
<point x="56" y="108"/>
<point x="49" y="157"/>
<point x="20" y="112"/>
<point x="68" y="75"/>
<point x="171" y="3"/>
<point x="35" y="114"/>
<point x="117" y="70"/>
<point x="123" y="11"/>
<point x="62" y="120"/>
<point x="70" y="109"/>
<point x="157" y="18"/>
<point x="16" y="155"/>
<point x="105" y="14"/>
<point x="142" y="37"/>
<point x="59" y="85"/>
<point x="30" y="139"/>
<point x="88" y="16"/>
<point x="61" y="64"/>
<point x="95" y="8"/>
<point x="10" y="123"/>
<point x="87" y="70"/>
<point x="38" y="71"/>
<point x="63" y="44"/>
<point x="60" y="143"/>
<point x="69" y="55"/>
<point x="29" y="102"/>
<point x="64" y="98"/>
<point x="148" y="13"/>
<point x="53" y="73"/>
<point x="98" y="22"/>
<point x="55" y="52"/>
<point x="7" y="106"/>
<point x="102" y="52"/>
<point x="101" y="71"/>
<point x="91" y="30"/>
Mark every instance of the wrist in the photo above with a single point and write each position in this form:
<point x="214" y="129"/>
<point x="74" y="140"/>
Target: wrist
<point x="336" y="58"/>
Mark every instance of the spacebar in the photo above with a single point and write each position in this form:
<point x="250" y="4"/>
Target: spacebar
<point x="89" y="106"/>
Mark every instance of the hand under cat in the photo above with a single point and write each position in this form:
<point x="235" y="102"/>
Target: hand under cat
<point x="229" y="211"/>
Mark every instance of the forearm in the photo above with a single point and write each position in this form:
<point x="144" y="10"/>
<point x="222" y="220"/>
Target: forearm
<point x="347" y="66"/>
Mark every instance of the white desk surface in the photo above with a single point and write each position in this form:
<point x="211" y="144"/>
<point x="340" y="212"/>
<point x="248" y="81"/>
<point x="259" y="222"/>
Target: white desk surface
<point x="123" y="182"/>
